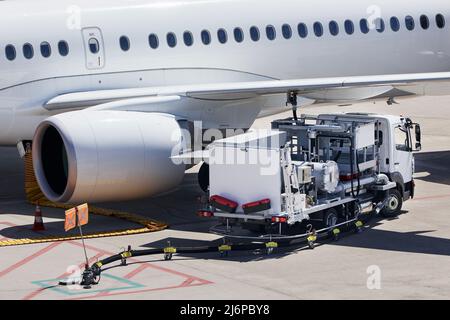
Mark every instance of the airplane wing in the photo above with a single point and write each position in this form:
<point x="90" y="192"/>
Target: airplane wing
<point x="113" y="99"/>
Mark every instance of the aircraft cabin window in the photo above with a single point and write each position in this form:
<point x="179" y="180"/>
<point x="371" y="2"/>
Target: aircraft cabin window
<point x="171" y="39"/>
<point x="287" y="31"/>
<point x="270" y="32"/>
<point x="334" y="28"/>
<point x="238" y="35"/>
<point x="10" y="52"/>
<point x="349" y="27"/>
<point x="364" y="26"/>
<point x="28" y="51"/>
<point x="380" y="25"/>
<point x="153" y="41"/>
<point x="206" y="37"/>
<point x="318" y="29"/>
<point x="188" y="39"/>
<point x="222" y="36"/>
<point x="94" y="45"/>
<point x="254" y="33"/>
<point x="63" y="48"/>
<point x="395" y="24"/>
<point x="124" y="43"/>
<point x="302" y="30"/>
<point x="424" y="22"/>
<point x="409" y="22"/>
<point x="46" y="50"/>
<point x="440" y="21"/>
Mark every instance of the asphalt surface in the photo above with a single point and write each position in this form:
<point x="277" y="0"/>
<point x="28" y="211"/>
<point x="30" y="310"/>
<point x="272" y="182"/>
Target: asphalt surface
<point x="407" y="257"/>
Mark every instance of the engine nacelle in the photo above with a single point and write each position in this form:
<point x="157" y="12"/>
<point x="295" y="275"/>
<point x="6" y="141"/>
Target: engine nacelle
<point x="97" y="156"/>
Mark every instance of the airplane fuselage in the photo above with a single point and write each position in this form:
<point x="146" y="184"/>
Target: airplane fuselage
<point x="167" y="43"/>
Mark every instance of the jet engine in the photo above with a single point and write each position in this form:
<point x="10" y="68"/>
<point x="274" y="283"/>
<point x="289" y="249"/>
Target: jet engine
<point x="98" y="156"/>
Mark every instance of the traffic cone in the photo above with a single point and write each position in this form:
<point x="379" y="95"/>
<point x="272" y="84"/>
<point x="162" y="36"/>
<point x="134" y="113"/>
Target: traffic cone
<point x="38" y="222"/>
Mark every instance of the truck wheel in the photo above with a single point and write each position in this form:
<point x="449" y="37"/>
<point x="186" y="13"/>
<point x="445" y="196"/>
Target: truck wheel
<point x="203" y="177"/>
<point x="394" y="204"/>
<point x="330" y="218"/>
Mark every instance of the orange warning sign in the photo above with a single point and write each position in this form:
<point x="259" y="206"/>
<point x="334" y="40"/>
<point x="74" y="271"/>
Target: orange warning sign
<point x="83" y="214"/>
<point x="78" y="216"/>
<point x="71" y="219"/>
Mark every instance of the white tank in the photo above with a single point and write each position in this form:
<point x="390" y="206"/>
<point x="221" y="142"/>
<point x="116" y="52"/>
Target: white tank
<point x="326" y="174"/>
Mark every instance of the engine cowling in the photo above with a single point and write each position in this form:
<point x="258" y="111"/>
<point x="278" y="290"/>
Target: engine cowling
<point x="98" y="156"/>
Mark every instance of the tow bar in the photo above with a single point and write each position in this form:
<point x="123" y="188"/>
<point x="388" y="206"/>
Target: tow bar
<point x="92" y="275"/>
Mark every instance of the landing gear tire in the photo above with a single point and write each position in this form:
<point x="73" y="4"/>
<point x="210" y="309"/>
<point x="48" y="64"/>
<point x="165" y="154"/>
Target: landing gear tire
<point x="203" y="177"/>
<point x="394" y="204"/>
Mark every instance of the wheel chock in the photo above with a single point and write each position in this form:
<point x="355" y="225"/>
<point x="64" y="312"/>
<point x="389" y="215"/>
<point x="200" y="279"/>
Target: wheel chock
<point x="270" y="246"/>
<point x="336" y="232"/>
<point x="169" y="252"/>
<point x="224" y="249"/>
<point x="358" y="226"/>
<point x="312" y="241"/>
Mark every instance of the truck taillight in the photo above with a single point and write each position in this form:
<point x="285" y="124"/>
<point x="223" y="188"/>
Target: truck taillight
<point x="256" y="206"/>
<point x="205" y="213"/>
<point x="279" y="219"/>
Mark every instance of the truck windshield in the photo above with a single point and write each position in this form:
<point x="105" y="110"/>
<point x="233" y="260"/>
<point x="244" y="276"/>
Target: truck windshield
<point x="401" y="139"/>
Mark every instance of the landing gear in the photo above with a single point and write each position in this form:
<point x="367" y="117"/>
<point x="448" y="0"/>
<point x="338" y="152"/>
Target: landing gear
<point x="203" y="177"/>
<point x="292" y="100"/>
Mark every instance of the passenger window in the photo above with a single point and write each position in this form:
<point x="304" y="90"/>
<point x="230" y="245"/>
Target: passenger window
<point x="171" y="39"/>
<point x="302" y="30"/>
<point x="238" y="35"/>
<point x="334" y="28"/>
<point x="409" y="22"/>
<point x="10" y="52"/>
<point x="395" y="24"/>
<point x="349" y="27"/>
<point x="271" y="33"/>
<point x="222" y="35"/>
<point x="63" y="48"/>
<point x="287" y="31"/>
<point x="153" y="41"/>
<point x="318" y="29"/>
<point x="364" y="26"/>
<point x="206" y="37"/>
<point x="188" y="38"/>
<point x="45" y="49"/>
<point x="401" y="139"/>
<point x="28" y="51"/>
<point x="440" y="21"/>
<point x="380" y="25"/>
<point x="94" y="46"/>
<point x="424" y="22"/>
<point x="124" y="43"/>
<point x="254" y="33"/>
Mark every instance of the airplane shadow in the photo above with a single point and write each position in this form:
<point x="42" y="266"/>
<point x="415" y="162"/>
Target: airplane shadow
<point x="436" y="164"/>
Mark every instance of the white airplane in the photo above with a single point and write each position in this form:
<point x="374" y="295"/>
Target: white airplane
<point x="104" y="88"/>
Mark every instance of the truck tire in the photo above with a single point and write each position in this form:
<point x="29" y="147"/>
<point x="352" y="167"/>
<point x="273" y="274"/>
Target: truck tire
<point x="394" y="204"/>
<point x="203" y="177"/>
<point x="330" y="218"/>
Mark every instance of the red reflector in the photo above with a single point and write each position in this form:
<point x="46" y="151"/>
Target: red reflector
<point x="223" y="204"/>
<point x="256" y="203"/>
<point x="256" y="206"/>
<point x="279" y="219"/>
<point x="205" y="213"/>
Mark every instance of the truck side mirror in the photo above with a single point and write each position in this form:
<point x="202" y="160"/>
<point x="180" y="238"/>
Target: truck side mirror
<point x="418" y="137"/>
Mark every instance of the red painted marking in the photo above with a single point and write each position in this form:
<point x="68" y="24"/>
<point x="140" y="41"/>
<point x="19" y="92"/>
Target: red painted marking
<point x="136" y="271"/>
<point x="29" y="258"/>
<point x="442" y="196"/>
<point x="143" y="291"/>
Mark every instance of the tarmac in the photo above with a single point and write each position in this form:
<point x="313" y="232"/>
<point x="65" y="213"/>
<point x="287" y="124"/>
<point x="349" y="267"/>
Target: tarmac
<point x="407" y="257"/>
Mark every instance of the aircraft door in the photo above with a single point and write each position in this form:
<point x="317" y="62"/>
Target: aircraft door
<point x="94" y="48"/>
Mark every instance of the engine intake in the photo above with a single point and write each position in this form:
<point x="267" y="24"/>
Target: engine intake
<point x="97" y="156"/>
